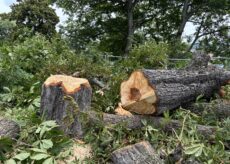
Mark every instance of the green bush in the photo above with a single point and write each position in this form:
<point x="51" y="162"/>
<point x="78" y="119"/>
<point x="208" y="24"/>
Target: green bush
<point x="149" y="55"/>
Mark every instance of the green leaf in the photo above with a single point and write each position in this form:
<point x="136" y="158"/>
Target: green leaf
<point x="6" y="89"/>
<point x="38" y="130"/>
<point x="48" y="161"/>
<point x="39" y="156"/>
<point x="194" y="149"/>
<point x="10" y="161"/>
<point x="36" y="143"/>
<point x="43" y="130"/>
<point x="50" y="124"/>
<point x="22" y="156"/>
<point x="46" y="144"/>
<point x="38" y="150"/>
<point x="144" y="122"/>
<point x="199" y="152"/>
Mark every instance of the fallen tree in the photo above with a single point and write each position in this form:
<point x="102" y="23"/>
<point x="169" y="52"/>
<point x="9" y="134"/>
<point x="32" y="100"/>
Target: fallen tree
<point x="62" y="97"/>
<point x="155" y="91"/>
<point x="136" y="122"/>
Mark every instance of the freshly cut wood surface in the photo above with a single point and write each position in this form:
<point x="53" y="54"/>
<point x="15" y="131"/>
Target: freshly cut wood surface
<point x="137" y="95"/>
<point x="69" y="84"/>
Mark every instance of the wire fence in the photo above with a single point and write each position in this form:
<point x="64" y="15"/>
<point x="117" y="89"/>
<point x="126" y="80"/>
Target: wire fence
<point x="222" y="61"/>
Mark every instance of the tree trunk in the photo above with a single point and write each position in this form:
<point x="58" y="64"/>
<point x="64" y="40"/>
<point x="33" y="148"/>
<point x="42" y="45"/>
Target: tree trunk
<point x="63" y="97"/>
<point x="9" y="128"/>
<point x="197" y="35"/>
<point x="135" y="122"/>
<point x="141" y="152"/>
<point x="129" y="38"/>
<point x="221" y="109"/>
<point x="184" y="19"/>
<point x="155" y="91"/>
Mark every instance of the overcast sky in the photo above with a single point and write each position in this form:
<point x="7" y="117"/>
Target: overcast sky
<point x="5" y="7"/>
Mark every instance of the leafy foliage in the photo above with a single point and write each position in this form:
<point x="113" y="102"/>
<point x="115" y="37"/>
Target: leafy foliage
<point x="34" y="15"/>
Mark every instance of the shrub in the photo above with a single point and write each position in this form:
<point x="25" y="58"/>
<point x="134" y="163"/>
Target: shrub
<point x="149" y="55"/>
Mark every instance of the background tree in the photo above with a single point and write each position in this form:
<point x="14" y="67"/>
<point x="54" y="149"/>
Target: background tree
<point x="6" y="29"/>
<point x="117" y="25"/>
<point x="35" y="15"/>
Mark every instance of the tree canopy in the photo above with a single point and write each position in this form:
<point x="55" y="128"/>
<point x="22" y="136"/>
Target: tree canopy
<point x="117" y="25"/>
<point x="35" y="15"/>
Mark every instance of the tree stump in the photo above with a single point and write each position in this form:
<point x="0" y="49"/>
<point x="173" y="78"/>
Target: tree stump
<point x="9" y="128"/>
<point x="63" y="99"/>
<point x="141" y="152"/>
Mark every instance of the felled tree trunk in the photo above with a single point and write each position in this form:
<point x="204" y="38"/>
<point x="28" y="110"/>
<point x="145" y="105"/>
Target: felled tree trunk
<point x="135" y="122"/>
<point x="221" y="109"/>
<point x="155" y="91"/>
<point x="141" y="152"/>
<point x="9" y="128"/>
<point x="62" y="99"/>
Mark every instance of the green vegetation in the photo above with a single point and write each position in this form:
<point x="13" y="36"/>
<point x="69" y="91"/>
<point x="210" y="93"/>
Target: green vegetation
<point x="31" y="51"/>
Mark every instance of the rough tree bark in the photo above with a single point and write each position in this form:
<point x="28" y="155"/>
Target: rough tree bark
<point x="63" y="97"/>
<point x="135" y="122"/>
<point x="155" y="91"/>
<point x="130" y="7"/>
<point x="184" y="18"/>
<point x="9" y="128"/>
<point x="141" y="152"/>
<point x="220" y="108"/>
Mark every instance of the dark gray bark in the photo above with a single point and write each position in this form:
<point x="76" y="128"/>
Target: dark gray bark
<point x="199" y="61"/>
<point x="197" y="35"/>
<point x="219" y="108"/>
<point x="57" y="105"/>
<point x="9" y="128"/>
<point x="184" y="18"/>
<point x="135" y="122"/>
<point x="130" y="8"/>
<point x="139" y="153"/>
<point x="175" y="88"/>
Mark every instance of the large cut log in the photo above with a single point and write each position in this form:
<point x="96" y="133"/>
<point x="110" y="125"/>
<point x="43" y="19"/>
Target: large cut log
<point x="138" y="153"/>
<point x="136" y="122"/>
<point x="63" y="97"/>
<point x="9" y="128"/>
<point x="155" y="91"/>
<point x="219" y="108"/>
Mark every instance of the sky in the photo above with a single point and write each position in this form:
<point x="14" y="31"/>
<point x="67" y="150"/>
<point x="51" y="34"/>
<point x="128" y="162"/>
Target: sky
<point x="5" y="7"/>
